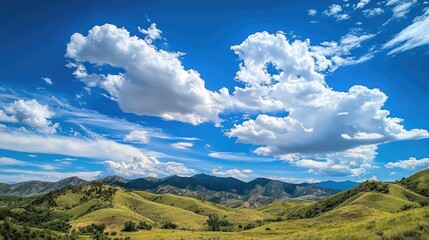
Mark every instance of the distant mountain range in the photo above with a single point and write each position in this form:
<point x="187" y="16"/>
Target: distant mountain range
<point x="227" y="191"/>
<point x="31" y="188"/>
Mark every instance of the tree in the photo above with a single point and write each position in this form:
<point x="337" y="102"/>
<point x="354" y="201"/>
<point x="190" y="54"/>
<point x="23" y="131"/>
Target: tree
<point x="130" y="226"/>
<point x="169" y="225"/>
<point x="144" y="226"/>
<point x="215" y="223"/>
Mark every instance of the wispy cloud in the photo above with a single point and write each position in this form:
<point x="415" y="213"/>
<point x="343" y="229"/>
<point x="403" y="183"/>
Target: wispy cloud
<point x="415" y="35"/>
<point x="5" y="161"/>
<point x="336" y="11"/>
<point x="182" y="145"/>
<point x="47" y="80"/>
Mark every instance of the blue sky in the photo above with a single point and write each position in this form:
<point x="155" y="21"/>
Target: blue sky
<point x="300" y="91"/>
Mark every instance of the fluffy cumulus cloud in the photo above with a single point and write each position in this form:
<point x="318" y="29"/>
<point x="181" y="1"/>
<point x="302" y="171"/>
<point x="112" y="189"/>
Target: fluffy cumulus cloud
<point x="152" y="82"/>
<point x="137" y="136"/>
<point x="236" y="173"/>
<point x="352" y="162"/>
<point x="148" y="166"/>
<point x="409" y="164"/>
<point x="299" y="118"/>
<point x="30" y="113"/>
<point x="317" y="119"/>
<point x="415" y="35"/>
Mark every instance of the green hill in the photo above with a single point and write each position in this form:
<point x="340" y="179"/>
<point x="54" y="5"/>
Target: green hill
<point x="418" y="182"/>
<point x="377" y="195"/>
<point x="201" y="207"/>
<point x="371" y="210"/>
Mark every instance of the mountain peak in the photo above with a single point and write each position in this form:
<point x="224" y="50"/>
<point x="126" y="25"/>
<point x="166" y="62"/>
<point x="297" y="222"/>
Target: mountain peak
<point x="114" y="179"/>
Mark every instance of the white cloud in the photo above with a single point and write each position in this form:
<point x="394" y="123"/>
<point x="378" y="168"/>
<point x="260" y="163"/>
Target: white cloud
<point x="361" y="4"/>
<point x="409" y="164"/>
<point x="235" y="173"/>
<point x="312" y="12"/>
<point x="372" y="12"/>
<point x="400" y="7"/>
<point x="374" y="178"/>
<point x="47" y="80"/>
<point x="319" y="120"/>
<point x="18" y="175"/>
<point x="154" y="81"/>
<point x="353" y="162"/>
<point x="5" y="161"/>
<point x="137" y="136"/>
<point x="182" y="145"/>
<point x="148" y="166"/>
<point x="30" y="113"/>
<point x="336" y="11"/>
<point x="415" y="35"/>
<point x="114" y="154"/>
<point x="235" y="156"/>
<point x="392" y="173"/>
<point x="339" y="53"/>
<point x="71" y="146"/>
<point x="152" y="33"/>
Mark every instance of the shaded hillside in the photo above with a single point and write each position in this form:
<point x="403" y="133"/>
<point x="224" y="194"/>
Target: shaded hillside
<point x="32" y="188"/>
<point x="371" y="210"/>
<point x="99" y="203"/>
<point x="228" y="191"/>
<point x="376" y="195"/>
<point x="418" y="182"/>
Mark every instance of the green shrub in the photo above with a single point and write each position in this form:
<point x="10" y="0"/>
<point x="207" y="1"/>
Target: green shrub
<point x="168" y="225"/>
<point x="144" y="226"/>
<point x="130" y="226"/>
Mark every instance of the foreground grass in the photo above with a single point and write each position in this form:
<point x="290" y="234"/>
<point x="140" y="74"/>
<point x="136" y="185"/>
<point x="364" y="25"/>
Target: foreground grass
<point x="352" y="222"/>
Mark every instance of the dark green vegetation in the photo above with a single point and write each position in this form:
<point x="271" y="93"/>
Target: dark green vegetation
<point x="418" y="182"/>
<point x="227" y="191"/>
<point x="371" y="210"/>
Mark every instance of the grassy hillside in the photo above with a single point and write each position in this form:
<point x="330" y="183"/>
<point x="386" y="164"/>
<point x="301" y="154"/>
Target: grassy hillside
<point x="418" y="182"/>
<point x="234" y="215"/>
<point x="371" y="210"/>
<point x="377" y="195"/>
<point x="280" y="208"/>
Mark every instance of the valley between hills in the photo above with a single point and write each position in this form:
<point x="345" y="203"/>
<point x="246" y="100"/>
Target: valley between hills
<point x="207" y="207"/>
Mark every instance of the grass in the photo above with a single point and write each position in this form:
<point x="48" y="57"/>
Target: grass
<point x="234" y="215"/>
<point x="279" y="208"/>
<point x="372" y="210"/>
<point x="372" y="224"/>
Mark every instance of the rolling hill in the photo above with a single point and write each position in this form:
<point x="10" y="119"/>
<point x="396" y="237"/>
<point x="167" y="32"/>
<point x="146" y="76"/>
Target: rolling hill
<point x="371" y="210"/>
<point x="228" y="191"/>
<point x="418" y="182"/>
